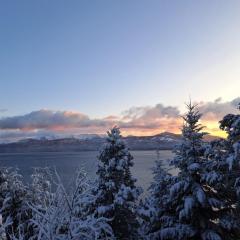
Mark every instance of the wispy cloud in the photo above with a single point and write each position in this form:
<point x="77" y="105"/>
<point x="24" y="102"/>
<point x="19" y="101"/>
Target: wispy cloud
<point x="137" y="120"/>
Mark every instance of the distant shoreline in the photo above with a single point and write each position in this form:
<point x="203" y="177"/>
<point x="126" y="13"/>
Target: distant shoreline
<point x="163" y="141"/>
<point x="65" y="151"/>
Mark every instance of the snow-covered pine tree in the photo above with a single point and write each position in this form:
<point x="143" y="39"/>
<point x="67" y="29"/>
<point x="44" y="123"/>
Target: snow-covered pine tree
<point x="4" y="184"/>
<point x="14" y="207"/>
<point x="116" y="193"/>
<point x="4" y="189"/>
<point x="230" y="164"/>
<point x="16" y="199"/>
<point x="218" y="177"/>
<point x="156" y="211"/>
<point x="197" y="205"/>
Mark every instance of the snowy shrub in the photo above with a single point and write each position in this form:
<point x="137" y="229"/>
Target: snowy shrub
<point x="67" y="215"/>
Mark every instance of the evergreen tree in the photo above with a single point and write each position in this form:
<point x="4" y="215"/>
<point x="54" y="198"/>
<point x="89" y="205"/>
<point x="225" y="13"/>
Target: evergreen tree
<point x="4" y="189"/>
<point x="16" y="202"/>
<point x="197" y="204"/>
<point x="116" y="193"/>
<point x="224" y="164"/>
<point x="154" y="211"/>
<point x="15" y="207"/>
<point x="231" y="124"/>
<point x="219" y="177"/>
<point x="230" y="163"/>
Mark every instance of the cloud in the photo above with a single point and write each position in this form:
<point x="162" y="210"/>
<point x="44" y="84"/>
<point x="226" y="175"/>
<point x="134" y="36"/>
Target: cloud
<point x="158" y="111"/>
<point x="137" y="120"/>
<point x="217" y="109"/>
<point x="213" y="112"/>
<point x="47" y="119"/>
<point x="141" y="117"/>
<point x="158" y="118"/>
<point x="144" y="120"/>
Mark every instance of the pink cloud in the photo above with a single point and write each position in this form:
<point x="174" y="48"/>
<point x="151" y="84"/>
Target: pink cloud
<point x="137" y="120"/>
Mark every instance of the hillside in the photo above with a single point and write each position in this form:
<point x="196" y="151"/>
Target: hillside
<point x="161" y="141"/>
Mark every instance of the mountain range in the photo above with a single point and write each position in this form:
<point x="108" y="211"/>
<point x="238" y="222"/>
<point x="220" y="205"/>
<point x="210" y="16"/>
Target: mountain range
<point x="162" y="141"/>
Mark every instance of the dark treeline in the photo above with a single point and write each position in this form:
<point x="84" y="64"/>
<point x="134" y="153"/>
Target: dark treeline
<point x="201" y="203"/>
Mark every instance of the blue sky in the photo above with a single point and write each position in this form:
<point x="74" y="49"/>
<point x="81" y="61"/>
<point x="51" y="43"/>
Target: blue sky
<point x="103" y="57"/>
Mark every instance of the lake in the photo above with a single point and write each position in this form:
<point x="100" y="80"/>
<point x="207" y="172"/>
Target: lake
<point x="66" y="163"/>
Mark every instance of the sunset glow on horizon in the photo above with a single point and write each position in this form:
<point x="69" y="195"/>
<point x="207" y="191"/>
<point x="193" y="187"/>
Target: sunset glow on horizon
<point x="137" y="121"/>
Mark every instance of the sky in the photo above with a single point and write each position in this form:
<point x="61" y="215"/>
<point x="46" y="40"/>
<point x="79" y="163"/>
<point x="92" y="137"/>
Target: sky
<point x="81" y="66"/>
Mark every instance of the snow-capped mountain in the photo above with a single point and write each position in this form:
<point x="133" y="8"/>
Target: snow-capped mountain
<point x="91" y="142"/>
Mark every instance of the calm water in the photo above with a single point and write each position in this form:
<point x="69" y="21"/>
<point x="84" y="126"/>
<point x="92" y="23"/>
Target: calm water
<point x="67" y="162"/>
